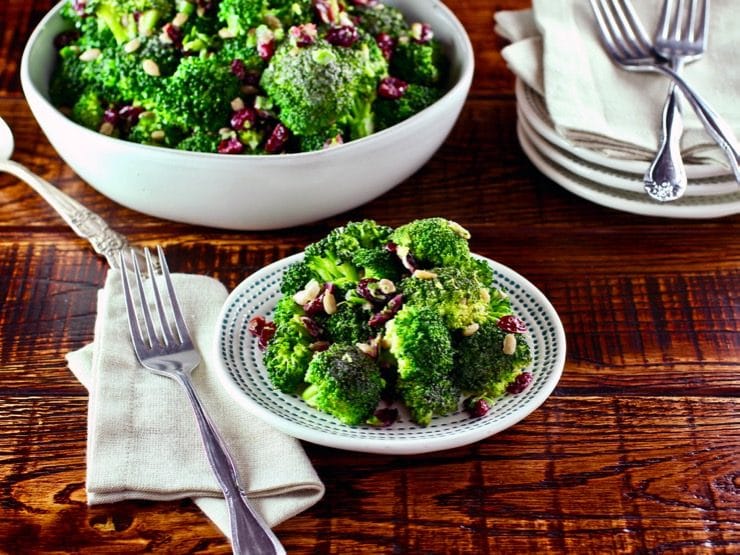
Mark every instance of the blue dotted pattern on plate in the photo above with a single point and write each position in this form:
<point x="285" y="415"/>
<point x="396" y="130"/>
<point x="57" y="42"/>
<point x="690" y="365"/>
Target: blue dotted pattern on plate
<point x="242" y="361"/>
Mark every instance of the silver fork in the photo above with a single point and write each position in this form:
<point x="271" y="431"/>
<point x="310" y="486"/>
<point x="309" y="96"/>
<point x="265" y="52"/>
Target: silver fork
<point x="680" y="38"/>
<point x="628" y="45"/>
<point x="167" y="349"/>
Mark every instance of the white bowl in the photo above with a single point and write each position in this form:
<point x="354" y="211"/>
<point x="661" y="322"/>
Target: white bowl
<point x="251" y="192"/>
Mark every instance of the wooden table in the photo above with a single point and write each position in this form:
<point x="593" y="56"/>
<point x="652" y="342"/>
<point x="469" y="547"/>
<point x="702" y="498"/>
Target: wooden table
<point x="636" y="451"/>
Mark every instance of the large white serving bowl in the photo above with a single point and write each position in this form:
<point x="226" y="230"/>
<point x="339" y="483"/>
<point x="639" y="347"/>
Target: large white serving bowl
<point x="251" y="192"/>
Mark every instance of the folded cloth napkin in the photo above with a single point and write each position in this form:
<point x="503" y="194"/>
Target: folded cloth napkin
<point x="143" y="441"/>
<point x="555" y="49"/>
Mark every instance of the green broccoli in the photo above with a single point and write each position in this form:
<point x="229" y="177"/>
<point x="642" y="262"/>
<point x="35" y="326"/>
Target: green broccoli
<point x="290" y="12"/>
<point x="240" y="16"/>
<point x="389" y="112"/>
<point x="421" y="343"/>
<point x="198" y="95"/>
<point x="200" y="141"/>
<point x="419" y="63"/>
<point x="321" y="85"/>
<point x="425" y="399"/>
<point x="345" y="383"/>
<point x="434" y="242"/>
<point x="127" y="19"/>
<point x="454" y="292"/>
<point x="295" y="278"/>
<point x="288" y="354"/>
<point x="380" y="18"/>
<point x="482" y="366"/>
<point x="378" y="263"/>
<point x="348" y="325"/>
<point x="89" y="110"/>
<point x="152" y="130"/>
<point x="331" y="258"/>
<point x="69" y="78"/>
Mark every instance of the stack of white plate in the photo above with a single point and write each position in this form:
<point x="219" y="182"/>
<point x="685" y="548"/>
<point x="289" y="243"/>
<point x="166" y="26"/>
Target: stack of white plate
<point x="616" y="183"/>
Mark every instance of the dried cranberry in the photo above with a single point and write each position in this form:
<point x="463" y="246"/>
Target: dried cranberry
<point x="174" y="33"/>
<point x="366" y="290"/>
<point x="65" y="38"/>
<point x="386" y="43"/>
<point x="256" y="325"/>
<point x="392" y="88"/>
<point x="303" y="35"/>
<point x="267" y="332"/>
<point x="406" y="258"/>
<point x="111" y="115"/>
<point x="314" y="306"/>
<point x="421" y="32"/>
<point x="265" y="43"/>
<point x="520" y="383"/>
<point x="239" y="69"/>
<point x="385" y="417"/>
<point x="388" y="312"/>
<point x="130" y="113"/>
<point x="512" y="324"/>
<point x="243" y="118"/>
<point x="230" y="146"/>
<point x="276" y="142"/>
<point x="313" y="328"/>
<point x="344" y="35"/>
<point x="367" y="3"/>
<point x="79" y="7"/>
<point x="476" y="406"/>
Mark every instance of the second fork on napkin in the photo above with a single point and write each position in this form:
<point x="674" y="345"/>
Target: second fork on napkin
<point x="594" y="104"/>
<point x="142" y="439"/>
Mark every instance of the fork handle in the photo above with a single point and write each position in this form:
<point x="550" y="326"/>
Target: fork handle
<point x="665" y="179"/>
<point x="249" y="532"/>
<point x="713" y="123"/>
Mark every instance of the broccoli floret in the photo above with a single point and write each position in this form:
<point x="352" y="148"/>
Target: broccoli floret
<point x="330" y="259"/>
<point x="290" y="12"/>
<point x="199" y="94"/>
<point x="152" y="130"/>
<point x="426" y="399"/>
<point x="454" y="292"/>
<point x="378" y="263"/>
<point x="240" y="16"/>
<point x="419" y="63"/>
<point x="127" y="19"/>
<point x="421" y="343"/>
<point x="89" y="110"/>
<point x="380" y="18"/>
<point x="295" y="278"/>
<point x="200" y="141"/>
<point x="285" y="311"/>
<point x="322" y="139"/>
<point x="348" y="325"/>
<point x="481" y="365"/>
<point x="417" y="97"/>
<point x="287" y="355"/>
<point x="69" y="79"/>
<point x="500" y="305"/>
<point x="319" y="86"/>
<point x="345" y="383"/>
<point x="434" y="242"/>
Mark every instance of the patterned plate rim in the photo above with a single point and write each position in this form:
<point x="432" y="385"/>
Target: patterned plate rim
<point x="247" y="382"/>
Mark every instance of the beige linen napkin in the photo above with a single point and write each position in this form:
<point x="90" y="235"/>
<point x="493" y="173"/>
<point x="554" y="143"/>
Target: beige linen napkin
<point x="143" y="441"/>
<point x="593" y="103"/>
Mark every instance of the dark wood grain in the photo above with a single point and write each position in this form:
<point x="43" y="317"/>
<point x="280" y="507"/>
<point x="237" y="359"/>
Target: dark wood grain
<point x="637" y="450"/>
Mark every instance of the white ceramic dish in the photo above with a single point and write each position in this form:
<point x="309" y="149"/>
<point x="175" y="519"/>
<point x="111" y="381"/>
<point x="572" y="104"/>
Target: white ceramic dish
<point x="245" y="377"/>
<point x="689" y="207"/>
<point x="251" y="192"/>
<point x="533" y="107"/>
<point x="706" y="186"/>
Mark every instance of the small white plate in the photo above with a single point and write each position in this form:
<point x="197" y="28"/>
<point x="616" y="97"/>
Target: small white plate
<point x="534" y="109"/>
<point x="690" y="207"/>
<point x="706" y="186"/>
<point x="245" y="377"/>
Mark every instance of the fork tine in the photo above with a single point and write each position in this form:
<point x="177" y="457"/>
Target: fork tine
<point x="182" y="329"/>
<point x="167" y="337"/>
<point x="620" y="29"/>
<point x="632" y="26"/>
<point x="700" y="27"/>
<point x="133" y="321"/>
<point x="605" y="26"/>
<point x="148" y="323"/>
<point x="662" y="29"/>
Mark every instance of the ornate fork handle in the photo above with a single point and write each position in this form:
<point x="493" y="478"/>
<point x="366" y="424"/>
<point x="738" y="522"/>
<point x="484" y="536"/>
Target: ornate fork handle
<point x="715" y="126"/>
<point x="85" y="223"/>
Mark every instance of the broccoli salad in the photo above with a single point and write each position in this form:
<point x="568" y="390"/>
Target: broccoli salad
<point x="373" y="316"/>
<point x="243" y="76"/>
